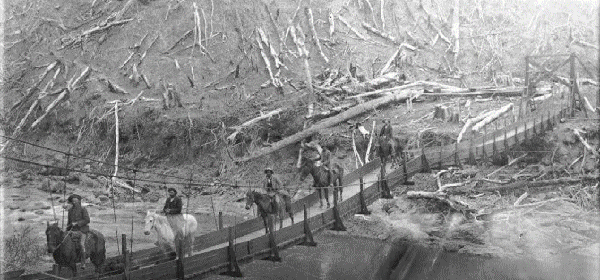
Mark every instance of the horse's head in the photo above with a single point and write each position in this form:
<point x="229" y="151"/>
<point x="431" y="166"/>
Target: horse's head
<point x="149" y="221"/>
<point x="54" y="236"/>
<point x="249" y="199"/>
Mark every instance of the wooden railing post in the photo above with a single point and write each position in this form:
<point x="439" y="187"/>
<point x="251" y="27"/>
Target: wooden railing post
<point x="233" y="269"/>
<point x="126" y="264"/>
<point x="424" y="163"/>
<point x="483" y="153"/>
<point x="471" y="160"/>
<point x="308" y="237"/>
<point x="220" y="220"/>
<point x="526" y="134"/>
<point x="361" y="194"/>
<point x="179" y="261"/>
<point x="505" y="138"/>
<point x="338" y="225"/>
<point x="441" y="159"/>
<point x="456" y="156"/>
<point x="516" y="133"/>
<point x="405" y="171"/>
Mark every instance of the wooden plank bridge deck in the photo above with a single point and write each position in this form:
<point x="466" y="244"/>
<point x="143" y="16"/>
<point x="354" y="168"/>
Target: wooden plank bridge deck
<point x="211" y="253"/>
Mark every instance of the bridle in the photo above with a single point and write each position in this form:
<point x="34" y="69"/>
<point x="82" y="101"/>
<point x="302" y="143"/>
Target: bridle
<point x="65" y="238"/>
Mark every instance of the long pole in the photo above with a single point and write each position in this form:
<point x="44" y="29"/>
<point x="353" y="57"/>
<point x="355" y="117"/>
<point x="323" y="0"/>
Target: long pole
<point x="598" y="108"/>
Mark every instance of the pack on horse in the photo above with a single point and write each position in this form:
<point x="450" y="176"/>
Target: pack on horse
<point x="268" y="208"/>
<point x="320" y="175"/>
<point x="66" y="249"/>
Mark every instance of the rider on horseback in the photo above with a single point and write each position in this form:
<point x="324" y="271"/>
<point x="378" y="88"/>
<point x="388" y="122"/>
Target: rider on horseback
<point x="386" y="130"/>
<point x="172" y="209"/>
<point x="274" y="187"/>
<point x="77" y="222"/>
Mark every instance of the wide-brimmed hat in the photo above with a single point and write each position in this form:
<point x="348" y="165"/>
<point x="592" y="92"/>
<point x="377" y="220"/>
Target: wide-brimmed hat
<point x="70" y="199"/>
<point x="172" y="189"/>
<point x="269" y="169"/>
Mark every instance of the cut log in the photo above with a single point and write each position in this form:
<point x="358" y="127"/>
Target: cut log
<point x="415" y="86"/>
<point x="493" y="116"/>
<point x="122" y="184"/>
<point x="532" y="184"/>
<point x="367" y="154"/>
<point x="585" y="143"/>
<point x="331" y="24"/>
<point x="274" y="81"/>
<point x="356" y="154"/>
<point x="327" y="123"/>
<point x="452" y="203"/>
<point x="35" y="87"/>
<point x="239" y="128"/>
<point x="589" y="105"/>
<point x="388" y="64"/>
<point x="64" y="93"/>
<point x="373" y="84"/>
<point x="360" y="36"/>
<point x="299" y="42"/>
<point x="272" y="51"/>
<point x="381" y="34"/>
<point x="470" y="122"/>
<point x="313" y="31"/>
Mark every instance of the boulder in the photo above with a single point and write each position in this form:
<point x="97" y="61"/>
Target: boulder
<point x="39" y="212"/>
<point x="53" y="187"/>
<point x="103" y="198"/>
<point x="86" y="181"/>
<point x="13" y="206"/>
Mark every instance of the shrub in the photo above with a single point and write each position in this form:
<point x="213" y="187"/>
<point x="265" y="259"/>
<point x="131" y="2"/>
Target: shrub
<point x="22" y="249"/>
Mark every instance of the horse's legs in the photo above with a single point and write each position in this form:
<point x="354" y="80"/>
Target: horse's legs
<point x="73" y="267"/>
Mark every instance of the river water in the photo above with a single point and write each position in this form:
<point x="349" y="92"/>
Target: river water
<point x="344" y="257"/>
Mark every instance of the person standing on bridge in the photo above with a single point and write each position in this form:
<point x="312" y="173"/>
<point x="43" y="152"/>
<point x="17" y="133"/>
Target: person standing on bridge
<point x="172" y="209"/>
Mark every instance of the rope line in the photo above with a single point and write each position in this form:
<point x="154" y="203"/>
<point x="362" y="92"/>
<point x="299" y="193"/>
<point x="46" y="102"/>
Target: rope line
<point x="91" y="159"/>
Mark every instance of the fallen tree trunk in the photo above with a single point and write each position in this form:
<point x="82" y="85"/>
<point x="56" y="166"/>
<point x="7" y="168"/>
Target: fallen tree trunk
<point x="493" y="116"/>
<point x="470" y="122"/>
<point x="508" y="92"/>
<point x="313" y="32"/>
<point x="350" y="113"/>
<point x="387" y="90"/>
<point x="585" y="143"/>
<point x="532" y="184"/>
<point x="239" y="128"/>
<point x="441" y="197"/>
<point x="351" y="28"/>
<point x="381" y="34"/>
<point x="64" y="93"/>
<point x="372" y="84"/>
<point x="388" y="64"/>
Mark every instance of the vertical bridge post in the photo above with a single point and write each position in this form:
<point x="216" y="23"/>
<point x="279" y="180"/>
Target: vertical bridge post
<point x="308" y="237"/>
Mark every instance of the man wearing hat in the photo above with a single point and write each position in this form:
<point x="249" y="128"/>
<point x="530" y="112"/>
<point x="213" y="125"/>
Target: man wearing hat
<point x="77" y="222"/>
<point x="273" y="186"/>
<point x="172" y="209"/>
<point x="386" y="130"/>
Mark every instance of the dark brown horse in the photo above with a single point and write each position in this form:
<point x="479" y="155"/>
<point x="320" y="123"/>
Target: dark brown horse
<point x="66" y="250"/>
<point x="389" y="150"/>
<point x="268" y="208"/>
<point x="321" y="179"/>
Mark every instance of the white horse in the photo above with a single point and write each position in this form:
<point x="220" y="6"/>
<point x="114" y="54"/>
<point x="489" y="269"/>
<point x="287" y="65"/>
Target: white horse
<point x="165" y="234"/>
